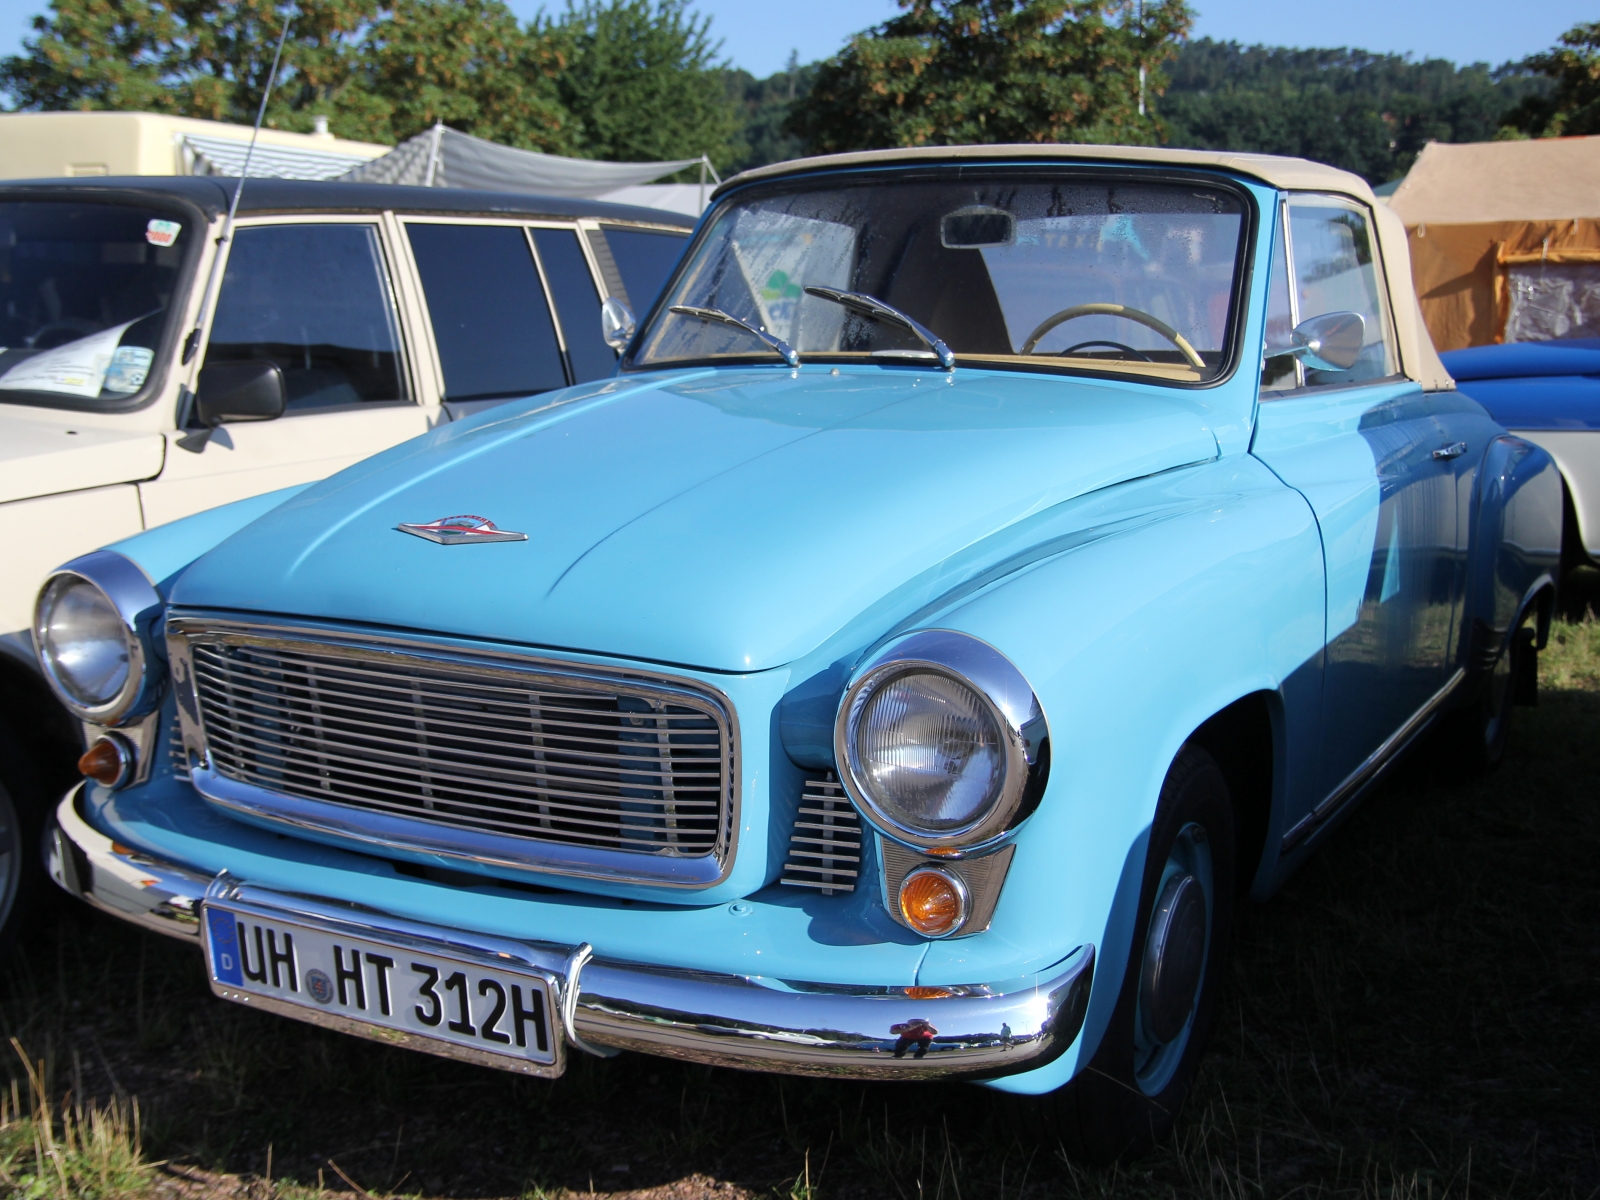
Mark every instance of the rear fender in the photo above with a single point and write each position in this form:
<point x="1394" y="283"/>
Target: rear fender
<point x="1516" y="541"/>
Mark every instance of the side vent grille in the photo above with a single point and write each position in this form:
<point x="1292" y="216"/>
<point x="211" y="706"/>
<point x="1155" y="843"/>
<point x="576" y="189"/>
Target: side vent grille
<point x="180" y="760"/>
<point x="825" y="847"/>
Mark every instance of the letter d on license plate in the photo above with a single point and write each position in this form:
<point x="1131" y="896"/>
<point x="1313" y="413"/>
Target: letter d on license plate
<point x="485" y="1004"/>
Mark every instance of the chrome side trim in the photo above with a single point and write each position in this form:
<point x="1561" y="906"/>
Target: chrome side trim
<point x="830" y="1030"/>
<point x="118" y="879"/>
<point x="504" y="854"/>
<point x="1367" y="773"/>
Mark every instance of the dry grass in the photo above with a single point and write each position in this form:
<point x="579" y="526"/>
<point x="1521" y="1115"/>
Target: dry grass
<point x="1414" y="1016"/>
<point x="77" y="1152"/>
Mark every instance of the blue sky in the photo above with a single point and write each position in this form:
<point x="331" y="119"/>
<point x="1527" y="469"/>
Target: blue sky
<point x="758" y="35"/>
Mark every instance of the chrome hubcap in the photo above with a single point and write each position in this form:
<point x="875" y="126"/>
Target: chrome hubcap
<point x="1173" y="957"/>
<point x="1174" y="962"/>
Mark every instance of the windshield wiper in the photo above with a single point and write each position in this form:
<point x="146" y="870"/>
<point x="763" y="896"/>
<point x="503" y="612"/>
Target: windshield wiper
<point x="776" y="344"/>
<point x="870" y="306"/>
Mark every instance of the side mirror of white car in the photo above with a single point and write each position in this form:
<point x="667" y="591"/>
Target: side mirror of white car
<point x="240" y="391"/>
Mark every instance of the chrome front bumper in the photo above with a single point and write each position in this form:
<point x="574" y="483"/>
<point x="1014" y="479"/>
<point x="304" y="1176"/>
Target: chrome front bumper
<point x="846" y="1032"/>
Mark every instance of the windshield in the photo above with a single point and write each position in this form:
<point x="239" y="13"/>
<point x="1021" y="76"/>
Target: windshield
<point x="1075" y="273"/>
<point x="84" y="294"/>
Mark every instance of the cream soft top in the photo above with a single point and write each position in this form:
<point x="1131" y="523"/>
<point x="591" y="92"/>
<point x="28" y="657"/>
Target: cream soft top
<point x="1418" y="359"/>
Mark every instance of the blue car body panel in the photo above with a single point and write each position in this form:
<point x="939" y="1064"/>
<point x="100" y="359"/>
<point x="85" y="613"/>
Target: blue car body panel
<point x="1146" y="556"/>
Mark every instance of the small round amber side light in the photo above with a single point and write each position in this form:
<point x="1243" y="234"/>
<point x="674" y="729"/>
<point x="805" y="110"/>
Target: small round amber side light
<point x="108" y="761"/>
<point x="933" y="902"/>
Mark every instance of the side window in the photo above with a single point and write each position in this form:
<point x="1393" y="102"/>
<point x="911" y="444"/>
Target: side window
<point x="1331" y="245"/>
<point x="644" y="257"/>
<point x="577" y="302"/>
<point x="490" y="318"/>
<point x="1279" y="374"/>
<point x="315" y="300"/>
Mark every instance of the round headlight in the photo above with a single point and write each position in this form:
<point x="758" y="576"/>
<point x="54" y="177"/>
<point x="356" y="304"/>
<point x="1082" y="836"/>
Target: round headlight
<point x="930" y="751"/>
<point x="83" y="642"/>
<point x="941" y="742"/>
<point x="91" y="627"/>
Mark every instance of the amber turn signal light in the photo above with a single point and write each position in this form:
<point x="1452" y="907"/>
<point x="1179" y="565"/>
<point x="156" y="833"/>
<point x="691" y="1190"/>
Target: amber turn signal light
<point x="933" y="901"/>
<point x="108" y="761"/>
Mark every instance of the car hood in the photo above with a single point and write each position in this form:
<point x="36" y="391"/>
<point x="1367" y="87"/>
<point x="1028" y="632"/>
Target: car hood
<point x="49" y="455"/>
<point x="727" y="519"/>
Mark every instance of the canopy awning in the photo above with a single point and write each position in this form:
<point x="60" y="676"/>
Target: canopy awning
<point x="443" y="157"/>
<point x="225" y="156"/>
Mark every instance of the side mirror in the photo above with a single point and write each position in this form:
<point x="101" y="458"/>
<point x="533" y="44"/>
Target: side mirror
<point x="240" y="391"/>
<point x="617" y="324"/>
<point x="1330" y="342"/>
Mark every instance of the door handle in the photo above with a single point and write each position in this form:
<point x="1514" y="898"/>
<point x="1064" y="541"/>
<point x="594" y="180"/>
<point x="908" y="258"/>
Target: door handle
<point x="1453" y="450"/>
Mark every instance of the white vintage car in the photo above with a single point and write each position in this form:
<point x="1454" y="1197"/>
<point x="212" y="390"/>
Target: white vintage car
<point x="140" y="381"/>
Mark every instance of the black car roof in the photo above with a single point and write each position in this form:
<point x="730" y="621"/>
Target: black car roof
<point x="213" y="195"/>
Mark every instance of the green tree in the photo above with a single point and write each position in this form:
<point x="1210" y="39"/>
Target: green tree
<point x="643" y="81"/>
<point x="470" y="65"/>
<point x="1368" y="113"/>
<point x="954" y="71"/>
<point x="380" y="70"/>
<point x="1572" y="107"/>
<point x="763" y="106"/>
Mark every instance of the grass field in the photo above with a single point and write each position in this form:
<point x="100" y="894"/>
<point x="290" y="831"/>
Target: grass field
<point x="1417" y="1015"/>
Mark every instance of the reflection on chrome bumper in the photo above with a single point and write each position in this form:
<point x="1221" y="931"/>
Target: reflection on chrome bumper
<point x="119" y="879"/>
<point x="846" y="1032"/>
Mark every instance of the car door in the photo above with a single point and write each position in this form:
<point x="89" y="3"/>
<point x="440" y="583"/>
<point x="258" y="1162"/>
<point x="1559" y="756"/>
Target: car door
<point x="1359" y="446"/>
<point x="316" y="297"/>
<point x="493" y="311"/>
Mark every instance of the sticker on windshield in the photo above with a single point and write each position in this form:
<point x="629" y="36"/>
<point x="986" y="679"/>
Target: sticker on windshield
<point x="162" y="233"/>
<point x="78" y="368"/>
<point x="129" y="367"/>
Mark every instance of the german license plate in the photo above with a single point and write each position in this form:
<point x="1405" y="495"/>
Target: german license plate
<point x="412" y="995"/>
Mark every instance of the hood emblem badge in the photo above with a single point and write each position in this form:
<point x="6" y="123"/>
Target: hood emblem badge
<point x="461" y="530"/>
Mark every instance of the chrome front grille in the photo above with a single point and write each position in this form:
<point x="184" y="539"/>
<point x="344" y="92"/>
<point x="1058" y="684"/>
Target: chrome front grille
<point x="489" y="748"/>
<point x="825" y="847"/>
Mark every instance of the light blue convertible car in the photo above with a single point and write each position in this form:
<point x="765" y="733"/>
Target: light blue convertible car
<point x="986" y="567"/>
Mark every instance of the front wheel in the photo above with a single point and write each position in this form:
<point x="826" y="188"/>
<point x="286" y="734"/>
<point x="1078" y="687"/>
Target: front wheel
<point x="1128" y="1096"/>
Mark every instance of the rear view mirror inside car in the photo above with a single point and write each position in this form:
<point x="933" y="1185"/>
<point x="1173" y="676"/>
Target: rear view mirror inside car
<point x="977" y="227"/>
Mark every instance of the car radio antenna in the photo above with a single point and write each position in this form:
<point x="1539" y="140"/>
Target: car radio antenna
<point x="192" y="342"/>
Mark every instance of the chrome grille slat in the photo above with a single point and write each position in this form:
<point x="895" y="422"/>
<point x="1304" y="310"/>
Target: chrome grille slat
<point x="435" y="778"/>
<point x="233" y="686"/>
<point x="516" y="696"/>
<point x="484" y="822"/>
<point x="629" y="759"/>
<point x="825" y="845"/>
<point x="568" y="756"/>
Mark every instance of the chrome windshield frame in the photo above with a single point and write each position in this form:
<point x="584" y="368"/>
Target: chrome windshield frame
<point x="1019" y="170"/>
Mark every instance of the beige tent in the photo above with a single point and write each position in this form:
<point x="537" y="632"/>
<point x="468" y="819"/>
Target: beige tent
<point x="1505" y="239"/>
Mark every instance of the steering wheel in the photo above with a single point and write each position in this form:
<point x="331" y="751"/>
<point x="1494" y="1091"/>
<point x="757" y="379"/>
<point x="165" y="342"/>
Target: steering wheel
<point x="1126" y="349"/>
<point x="45" y="334"/>
<point x="1116" y="310"/>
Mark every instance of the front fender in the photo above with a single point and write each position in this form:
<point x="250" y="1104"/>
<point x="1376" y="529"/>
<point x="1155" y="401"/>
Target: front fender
<point x="163" y="552"/>
<point x="1516" y="543"/>
<point x="1131" y="643"/>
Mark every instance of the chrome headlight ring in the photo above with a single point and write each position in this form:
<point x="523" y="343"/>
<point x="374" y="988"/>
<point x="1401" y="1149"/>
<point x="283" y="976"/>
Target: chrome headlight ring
<point x="126" y="606"/>
<point x="1020" y="736"/>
